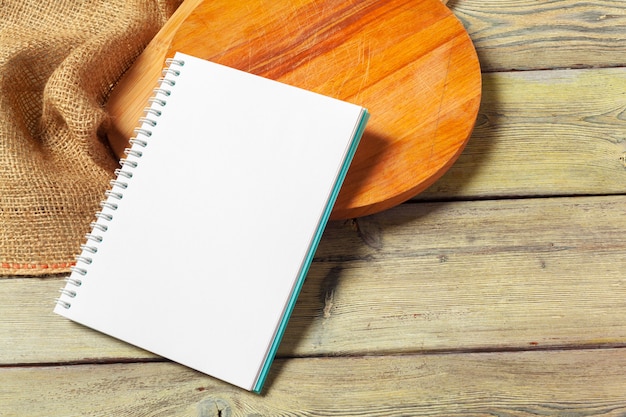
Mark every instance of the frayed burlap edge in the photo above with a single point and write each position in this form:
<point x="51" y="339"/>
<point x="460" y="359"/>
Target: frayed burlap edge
<point x="58" y="63"/>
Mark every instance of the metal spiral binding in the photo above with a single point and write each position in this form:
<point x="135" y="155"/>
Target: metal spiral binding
<point x="123" y="176"/>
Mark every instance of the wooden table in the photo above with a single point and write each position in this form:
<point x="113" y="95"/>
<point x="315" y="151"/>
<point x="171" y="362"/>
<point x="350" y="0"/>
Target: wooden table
<point x="501" y="290"/>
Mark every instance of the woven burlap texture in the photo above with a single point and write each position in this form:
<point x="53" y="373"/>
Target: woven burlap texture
<point x="59" y="61"/>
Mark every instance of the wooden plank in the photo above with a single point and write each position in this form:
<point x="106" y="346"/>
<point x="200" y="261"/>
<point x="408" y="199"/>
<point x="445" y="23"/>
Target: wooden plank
<point x="521" y="384"/>
<point x="544" y="133"/>
<point x="486" y="275"/>
<point x="476" y="275"/>
<point x="527" y="34"/>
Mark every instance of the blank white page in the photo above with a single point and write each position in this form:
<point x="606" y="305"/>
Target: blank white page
<point x="209" y="244"/>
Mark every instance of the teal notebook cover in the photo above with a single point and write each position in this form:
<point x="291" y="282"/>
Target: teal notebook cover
<point x="318" y="236"/>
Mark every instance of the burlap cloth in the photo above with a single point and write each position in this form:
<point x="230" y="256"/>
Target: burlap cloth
<point x="59" y="61"/>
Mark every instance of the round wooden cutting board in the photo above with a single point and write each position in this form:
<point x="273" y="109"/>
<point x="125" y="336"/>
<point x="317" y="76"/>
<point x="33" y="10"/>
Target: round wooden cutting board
<point x="409" y="62"/>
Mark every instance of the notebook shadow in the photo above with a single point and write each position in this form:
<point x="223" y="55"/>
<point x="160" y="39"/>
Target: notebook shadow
<point x="346" y="243"/>
<point x="365" y="166"/>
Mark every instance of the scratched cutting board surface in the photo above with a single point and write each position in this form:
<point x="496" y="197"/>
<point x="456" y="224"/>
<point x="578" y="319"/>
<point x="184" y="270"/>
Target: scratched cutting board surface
<point x="411" y="63"/>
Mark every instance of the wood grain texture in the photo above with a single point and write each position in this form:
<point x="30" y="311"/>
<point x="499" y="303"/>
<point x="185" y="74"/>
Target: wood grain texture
<point x="572" y="383"/>
<point x="410" y="63"/>
<point x="452" y="308"/>
<point x="529" y="34"/>
<point x="544" y="133"/>
<point x="31" y="333"/>
<point x="519" y="274"/>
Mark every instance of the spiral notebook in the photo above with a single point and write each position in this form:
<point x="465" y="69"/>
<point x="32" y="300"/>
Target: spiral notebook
<point x="206" y="235"/>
